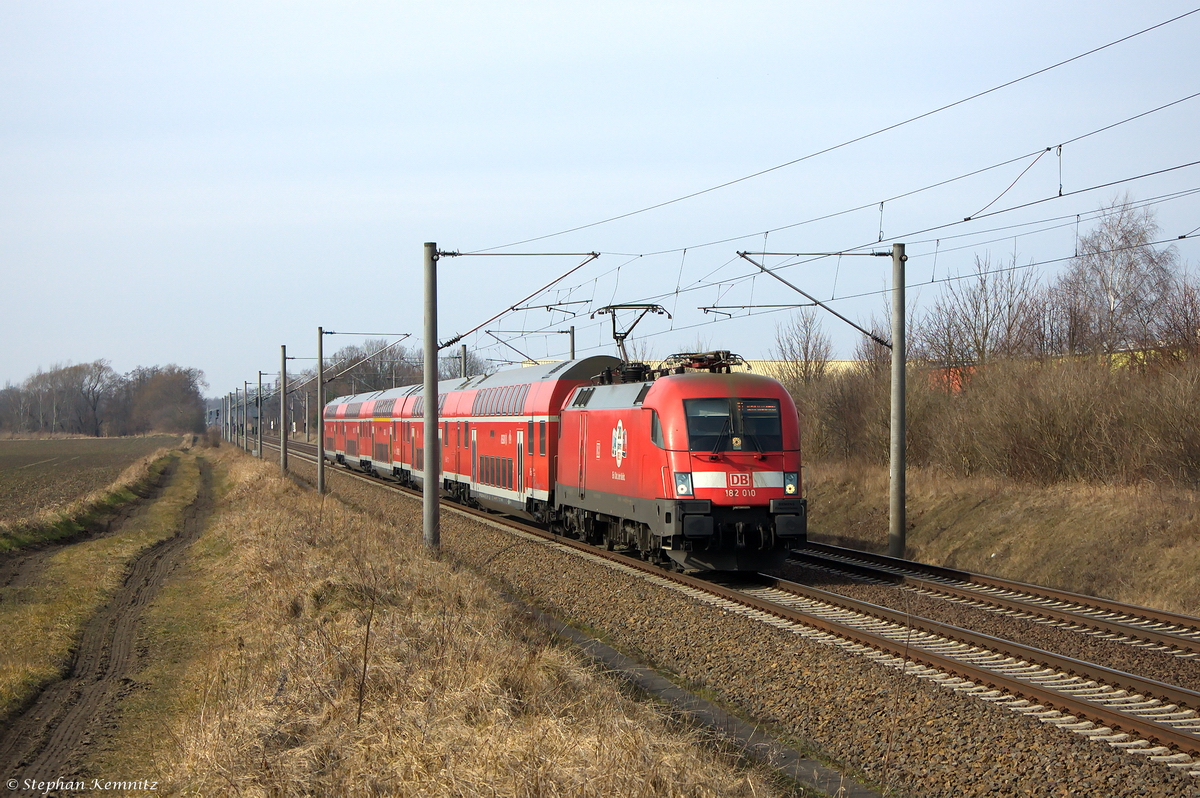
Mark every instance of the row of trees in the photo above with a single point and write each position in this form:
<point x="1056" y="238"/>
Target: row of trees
<point x="1091" y="375"/>
<point x="93" y="399"/>
<point x="1118" y="294"/>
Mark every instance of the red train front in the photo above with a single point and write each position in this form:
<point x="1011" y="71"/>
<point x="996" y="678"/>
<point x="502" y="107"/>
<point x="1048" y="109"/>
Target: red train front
<point x="691" y="464"/>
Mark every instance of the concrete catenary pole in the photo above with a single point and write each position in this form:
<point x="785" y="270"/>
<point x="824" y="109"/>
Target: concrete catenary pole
<point x="283" y="413"/>
<point x="321" y="411"/>
<point x="225" y="418"/>
<point x="258" y="403"/>
<point x="433" y="454"/>
<point x="572" y="332"/>
<point x="245" y="415"/>
<point x="898" y="521"/>
<point x="463" y="361"/>
<point x="306" y="417"/>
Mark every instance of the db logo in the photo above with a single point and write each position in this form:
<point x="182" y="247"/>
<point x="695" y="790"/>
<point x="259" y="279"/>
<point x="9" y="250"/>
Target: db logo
<point x="739" y="480"/>
<point x="620" y="443"/>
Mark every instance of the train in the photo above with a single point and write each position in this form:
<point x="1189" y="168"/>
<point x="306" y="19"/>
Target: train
<point x="690" y="464"/>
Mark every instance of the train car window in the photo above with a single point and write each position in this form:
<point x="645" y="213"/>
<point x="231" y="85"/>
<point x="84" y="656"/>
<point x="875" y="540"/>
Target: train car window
<point x="508" y="472"/>
<point x="656" y="436"/>
<point x="760" y="424"/>
<point x="724" y="425"/>
<point x="709" y="424"/>
<point x="529" y="437"/>
<point x="542" y="438"/>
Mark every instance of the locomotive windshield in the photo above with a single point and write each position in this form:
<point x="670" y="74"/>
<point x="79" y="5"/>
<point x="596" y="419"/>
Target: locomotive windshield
<point x="733" y="425"/>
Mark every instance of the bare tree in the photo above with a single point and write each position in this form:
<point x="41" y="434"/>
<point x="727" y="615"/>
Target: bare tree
<point x="1114" y="294"/>
<point x="993" y="313"/>
<point x="871" y="356"/>
<point x="1181" y="318"/>
<point x="803" y="349"/>
<point x="639" y="350"/>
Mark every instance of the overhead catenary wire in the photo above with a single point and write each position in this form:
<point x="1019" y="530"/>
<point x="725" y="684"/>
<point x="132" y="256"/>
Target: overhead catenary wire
<point x="591" y="256"/>
<point x="843" y="144"/>
<point x="949" y="279"/>
<point x="1037" y="154"/>
<point x="913" y="192"/>
<point x="728" y="283"/>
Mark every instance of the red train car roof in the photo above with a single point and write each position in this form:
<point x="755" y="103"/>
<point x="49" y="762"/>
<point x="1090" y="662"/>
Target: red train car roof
<point x="574" y="370"/>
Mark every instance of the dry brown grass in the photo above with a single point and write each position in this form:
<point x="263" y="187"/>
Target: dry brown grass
<point x="261" y="645"/>
<point x="1135" y="543"/>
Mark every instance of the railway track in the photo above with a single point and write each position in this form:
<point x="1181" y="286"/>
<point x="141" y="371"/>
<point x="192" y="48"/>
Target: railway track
<point x="1141" y="716"/>
<point x="1131" y="625"/>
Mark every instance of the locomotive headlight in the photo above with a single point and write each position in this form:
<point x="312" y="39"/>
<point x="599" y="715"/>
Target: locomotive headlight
<point x="683" y="483"/>
<point x="791" y="482"/>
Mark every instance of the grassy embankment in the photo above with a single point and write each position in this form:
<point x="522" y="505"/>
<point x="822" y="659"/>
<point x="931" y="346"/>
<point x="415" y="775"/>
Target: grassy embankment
<point x="43" y="612"/>
<point x="1136" y="543"/>
<point x="57" y="488"/>
<point x="255" y="682"/>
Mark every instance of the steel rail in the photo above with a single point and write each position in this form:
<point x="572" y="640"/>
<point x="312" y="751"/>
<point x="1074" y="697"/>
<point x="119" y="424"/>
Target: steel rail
<point x="1127" y="681"/>
<point x="1091" y="621"/>
<point x="1187" y="622"/>
<point x="1120" y="721"/>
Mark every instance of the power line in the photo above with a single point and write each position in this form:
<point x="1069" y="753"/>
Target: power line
<point x="844" y="143"/>
<point x="903" y="195"/>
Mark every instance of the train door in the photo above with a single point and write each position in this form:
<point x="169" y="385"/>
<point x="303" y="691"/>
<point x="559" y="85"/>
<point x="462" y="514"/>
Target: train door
<point x="382" y="448"/>
<point x="520" y="461"/>
<point x="582" y="454"/>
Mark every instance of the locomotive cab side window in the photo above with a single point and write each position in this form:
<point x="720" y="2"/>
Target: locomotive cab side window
<point x="656" y="436"/>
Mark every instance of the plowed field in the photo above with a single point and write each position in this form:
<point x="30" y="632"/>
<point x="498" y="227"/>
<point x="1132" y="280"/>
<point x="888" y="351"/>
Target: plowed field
<point x="38" y="475"/>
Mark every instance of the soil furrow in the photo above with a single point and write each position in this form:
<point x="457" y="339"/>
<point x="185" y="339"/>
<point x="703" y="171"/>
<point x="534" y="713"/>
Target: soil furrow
<point x="44" y="742"/>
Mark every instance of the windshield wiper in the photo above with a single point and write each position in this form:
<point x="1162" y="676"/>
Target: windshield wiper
<point x="720" y="435"/>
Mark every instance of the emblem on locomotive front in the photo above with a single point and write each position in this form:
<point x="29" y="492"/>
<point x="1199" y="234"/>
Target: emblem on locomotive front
<point x="620" y="441"/>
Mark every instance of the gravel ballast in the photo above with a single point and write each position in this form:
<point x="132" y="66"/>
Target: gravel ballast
<point x="902" y="734"/>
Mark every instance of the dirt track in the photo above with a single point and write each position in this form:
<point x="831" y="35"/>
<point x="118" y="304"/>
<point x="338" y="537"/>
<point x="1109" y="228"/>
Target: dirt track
<point x="45" y="741"/>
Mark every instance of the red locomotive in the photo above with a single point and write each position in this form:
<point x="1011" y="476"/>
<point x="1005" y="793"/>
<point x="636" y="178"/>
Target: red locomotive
<point x="689" y="463"/>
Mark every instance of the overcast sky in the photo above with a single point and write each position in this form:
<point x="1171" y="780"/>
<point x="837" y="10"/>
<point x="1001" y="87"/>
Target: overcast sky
<point x="200" y="183"/>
